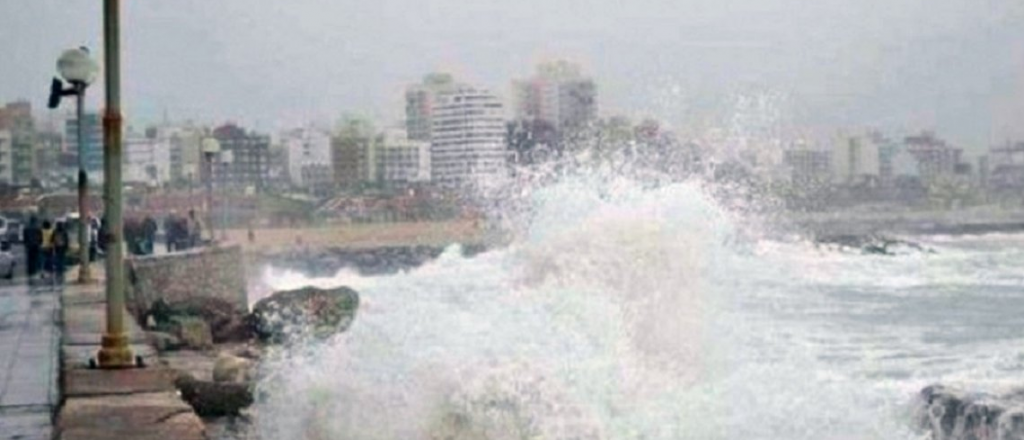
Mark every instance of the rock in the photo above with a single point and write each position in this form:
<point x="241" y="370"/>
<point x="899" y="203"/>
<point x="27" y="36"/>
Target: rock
<point x="227" y="323"/>
<point x="309" y="311"/>
<point x="164" y="341"/>
<point x="229" y="368"/>
<point x="193" y="332"/>
<point x="950" y="414"/>
<point x="871" y="244"/>
<point x="213" y="399"/>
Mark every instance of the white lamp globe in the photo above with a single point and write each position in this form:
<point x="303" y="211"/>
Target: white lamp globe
<point x="76" y="66"/>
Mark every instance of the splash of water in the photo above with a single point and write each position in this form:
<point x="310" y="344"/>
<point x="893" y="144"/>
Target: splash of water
<point x="613" y="314"/>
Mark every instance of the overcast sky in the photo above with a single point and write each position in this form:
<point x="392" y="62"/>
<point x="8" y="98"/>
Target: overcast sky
<point x="955" y="66"/>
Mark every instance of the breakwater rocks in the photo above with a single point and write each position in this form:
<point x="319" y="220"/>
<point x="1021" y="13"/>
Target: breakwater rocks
<point x="870" y="244"/>
<point x="950" y="414"/>
<point x="366" y="261"/>
<point x="306" y="312"/>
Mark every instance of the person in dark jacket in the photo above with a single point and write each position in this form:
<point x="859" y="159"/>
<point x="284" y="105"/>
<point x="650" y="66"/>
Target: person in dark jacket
<point x="32" y="238"/>
<point x="61" y="242"/>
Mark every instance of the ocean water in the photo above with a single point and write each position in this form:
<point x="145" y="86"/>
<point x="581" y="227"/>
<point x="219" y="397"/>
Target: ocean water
<point x="621" y="311"/>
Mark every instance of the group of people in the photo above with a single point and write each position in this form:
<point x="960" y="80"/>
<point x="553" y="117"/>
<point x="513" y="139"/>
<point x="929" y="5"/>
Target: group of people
<point x="46" y="249"/>
<point x="182" y="233"/>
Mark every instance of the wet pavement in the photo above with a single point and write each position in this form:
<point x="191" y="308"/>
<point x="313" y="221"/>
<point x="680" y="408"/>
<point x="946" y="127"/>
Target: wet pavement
<point x="29" y="361"/>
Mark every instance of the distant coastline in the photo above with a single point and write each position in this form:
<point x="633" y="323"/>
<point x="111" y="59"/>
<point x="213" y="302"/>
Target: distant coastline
<point x="973" y="221"/>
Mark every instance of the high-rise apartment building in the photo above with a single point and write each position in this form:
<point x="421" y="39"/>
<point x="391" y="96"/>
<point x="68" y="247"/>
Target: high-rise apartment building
<point x="248" y="168"/>
<point x="352" y="154"/>
<point x="6" y="165"/>
<point x="855" y="160"/>
<point x="468" y="137"/>
<point x="400" y="160"/>
<point x="558" y="94"/>
<point x="419" y="104"/>
<point x="308" y="154"/>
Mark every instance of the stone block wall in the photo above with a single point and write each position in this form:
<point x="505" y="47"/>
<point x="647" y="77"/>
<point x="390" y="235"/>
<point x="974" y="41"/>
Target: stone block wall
<point x="214" y="272"/>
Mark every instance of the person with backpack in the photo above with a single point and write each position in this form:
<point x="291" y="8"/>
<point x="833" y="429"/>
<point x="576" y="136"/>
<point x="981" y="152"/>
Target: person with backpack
<point x="61" y="242"/>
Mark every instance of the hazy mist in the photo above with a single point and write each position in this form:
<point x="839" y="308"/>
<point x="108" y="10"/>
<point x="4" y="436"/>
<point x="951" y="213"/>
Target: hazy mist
<point x="956" y="66"/>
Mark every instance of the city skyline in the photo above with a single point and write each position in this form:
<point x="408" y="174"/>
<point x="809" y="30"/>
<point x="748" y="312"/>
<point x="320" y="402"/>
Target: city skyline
<point x="953" y="67"/>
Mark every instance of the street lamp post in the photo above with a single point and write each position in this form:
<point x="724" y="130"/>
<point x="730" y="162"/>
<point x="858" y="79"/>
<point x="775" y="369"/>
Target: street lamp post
<point x="210" y="149"/>
<point x="115" y="352"/>
<point x="80" y="70"/>
<point x="226" y="158"/>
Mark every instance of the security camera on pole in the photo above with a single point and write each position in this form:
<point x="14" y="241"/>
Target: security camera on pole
<point x="80" y="70"/>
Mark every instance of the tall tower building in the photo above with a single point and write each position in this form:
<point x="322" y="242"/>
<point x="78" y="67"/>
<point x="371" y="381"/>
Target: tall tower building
<point x="467" y="137"/>
<point x="419" y="103"/>
<point x="558" y="94"/>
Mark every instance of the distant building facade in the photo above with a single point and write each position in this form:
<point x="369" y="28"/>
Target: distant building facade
<point x="808" y="166"/>
<point x="419" y="105"/>
<point x="352" y="154"/>
<point x="855" y="161"/>
<point x="6" y="163"/>
<point x="400" y="160"/>
<point x="936" y="159"/>
<point x="249" y="153"/>
<point x="558" y="94"/>
<point x="308" y="157"/>
<point x="468" y="137"/>
<point x="147" y="158"/>
<point x="16" y="117"/>
<point x="92" y="145"/>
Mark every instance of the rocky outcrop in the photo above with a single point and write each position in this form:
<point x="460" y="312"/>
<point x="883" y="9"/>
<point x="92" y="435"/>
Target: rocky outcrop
<point x="193" y="332"/>
<point x="210" y="399"/>
<point x="951" y="414"/>
<point x="229" y="368"/>
<point x="369" y="261"/>
<point x="870" y="244"/>
<point x="306" y="312"/>
<point x="226" y="323"/>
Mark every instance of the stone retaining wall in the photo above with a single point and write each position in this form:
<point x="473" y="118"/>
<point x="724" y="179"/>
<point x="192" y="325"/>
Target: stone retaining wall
<point x="215" y="272"/>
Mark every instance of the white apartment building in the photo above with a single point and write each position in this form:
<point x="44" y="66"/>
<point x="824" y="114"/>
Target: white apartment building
<point x="855" y="160"/>
<point x="147" y="158"/>
<point x="467" y="138"/>
<point x="401" y="160"/>
<point x="309" y="152"/>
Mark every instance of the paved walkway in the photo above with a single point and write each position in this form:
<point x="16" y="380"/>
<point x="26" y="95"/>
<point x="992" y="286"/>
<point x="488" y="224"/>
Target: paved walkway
<point x="29" y="362"/>
<point x="137" y="404"/>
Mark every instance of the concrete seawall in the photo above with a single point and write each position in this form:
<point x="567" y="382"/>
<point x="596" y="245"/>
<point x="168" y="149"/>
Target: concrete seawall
<point x="214" y="272"/>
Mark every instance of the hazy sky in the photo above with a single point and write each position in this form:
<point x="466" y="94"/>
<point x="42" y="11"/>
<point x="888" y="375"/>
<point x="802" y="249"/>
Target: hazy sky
<point x="956" y="66"/>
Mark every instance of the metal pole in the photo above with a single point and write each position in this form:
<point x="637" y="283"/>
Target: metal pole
<point x="115" y="351"/>
<point x="84" y="274"/>
<point x="209" y="195"/>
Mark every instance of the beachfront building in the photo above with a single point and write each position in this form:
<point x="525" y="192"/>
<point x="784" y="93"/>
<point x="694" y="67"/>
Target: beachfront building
<point x="467" y="138"/>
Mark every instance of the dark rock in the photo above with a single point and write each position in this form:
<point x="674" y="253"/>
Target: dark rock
<point x="164" y="341"/>
<point x="227" y="323"/>
<point x="309" y="311"/>
<point x="193" y="332"/>
<point x="950" y="414"/>
<point x="213" y="399"/>
<point x="229" y="368"/>
<point x="870" y="244"/>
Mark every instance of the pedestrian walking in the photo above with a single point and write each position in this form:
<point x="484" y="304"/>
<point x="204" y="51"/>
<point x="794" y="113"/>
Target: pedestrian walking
<point x="171" y="231"/>
<point x="61" y="242"/>
<point x="47" y="248"/>
<point x="32" y="238"/>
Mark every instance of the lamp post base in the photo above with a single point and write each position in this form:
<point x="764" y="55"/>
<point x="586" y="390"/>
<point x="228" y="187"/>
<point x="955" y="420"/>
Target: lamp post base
<point x="115" y="352"/>
<point x="85" y="276"/>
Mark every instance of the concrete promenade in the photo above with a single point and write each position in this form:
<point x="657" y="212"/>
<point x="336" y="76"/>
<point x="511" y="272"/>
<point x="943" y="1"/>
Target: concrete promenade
<point x="29" y="362"/>
<point x="48" y="334"/>
<point x="114" y="404"/>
